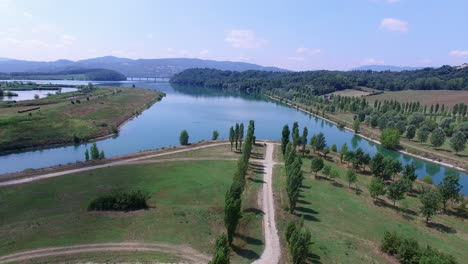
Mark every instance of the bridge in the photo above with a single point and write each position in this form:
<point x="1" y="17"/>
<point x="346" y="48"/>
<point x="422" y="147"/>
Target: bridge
<point x="152" y="79"/>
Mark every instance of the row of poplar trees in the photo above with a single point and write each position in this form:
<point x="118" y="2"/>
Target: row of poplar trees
<point x="233" y="199"/>
<point x="298" y="238"/>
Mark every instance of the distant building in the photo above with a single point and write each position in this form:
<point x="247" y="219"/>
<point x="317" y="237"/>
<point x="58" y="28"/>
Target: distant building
<point x="464" y="65"/>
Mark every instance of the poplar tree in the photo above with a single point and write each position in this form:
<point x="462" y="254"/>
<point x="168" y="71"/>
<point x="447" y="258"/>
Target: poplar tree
<point x="284" y="138"/>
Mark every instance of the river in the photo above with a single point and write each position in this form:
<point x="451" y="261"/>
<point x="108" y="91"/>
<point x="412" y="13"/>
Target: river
<point x="200" y="111"/>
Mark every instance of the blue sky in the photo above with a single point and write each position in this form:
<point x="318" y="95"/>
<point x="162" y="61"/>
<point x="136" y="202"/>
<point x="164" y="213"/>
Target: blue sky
<point x="298" y="35"/>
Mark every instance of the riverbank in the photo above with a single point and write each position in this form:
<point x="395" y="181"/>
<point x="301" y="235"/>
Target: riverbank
<point x="441" y="162"/>
<point x="73" y="118"/>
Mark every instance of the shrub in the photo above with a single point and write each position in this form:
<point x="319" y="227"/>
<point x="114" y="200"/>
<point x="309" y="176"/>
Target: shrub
<point x="120" y="201"/>
<point x="390" y="138"/>
<point x="427" y="179"/>
<point x="391" y="241"/>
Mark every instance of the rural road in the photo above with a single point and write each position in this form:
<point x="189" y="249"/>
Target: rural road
<point x="116" y="163"/>
<point x="184" y="252"/>
<point x="271" y="253"/>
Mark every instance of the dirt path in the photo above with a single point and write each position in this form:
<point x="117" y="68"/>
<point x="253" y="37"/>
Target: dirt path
<point x="184" y="252"/>
<point x="116" y="163"/>
<point x="272" y="251"/>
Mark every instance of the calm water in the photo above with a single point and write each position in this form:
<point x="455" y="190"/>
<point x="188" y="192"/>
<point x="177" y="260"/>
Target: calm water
<point x="29" y="95"/>
<point x="200" y="111"/>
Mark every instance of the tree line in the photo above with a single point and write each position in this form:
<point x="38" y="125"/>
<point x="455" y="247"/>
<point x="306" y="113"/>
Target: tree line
<point x="233" y="197"/>
<point x="322" y="82"/>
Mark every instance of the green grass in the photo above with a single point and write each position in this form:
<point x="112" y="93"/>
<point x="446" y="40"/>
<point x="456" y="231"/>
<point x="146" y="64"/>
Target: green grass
<point x="58" y="120"/>
<point x="186" y="207"/>
<point x="347" y="227"/>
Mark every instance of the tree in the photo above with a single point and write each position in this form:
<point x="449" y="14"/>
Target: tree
<point x="377" y="165"/>
<point x="423" y="133"/>
<point x="102" y="155"/>
<point x="94" y="152"/>
<point x="411" y="132"/>
<point x="356" y="125"/>
<point x="241" y="135"/>
<point x="320" y="143"/>
<point x="215" y="135"/>
<point x="449" y="188"/>
<point x="221" y="255"/>
<point x="334" y="174"/>
<point x="232" y="136"/>
<point x="396" y="191"/>
<point x="232" y="214"/>
<point x="305" y="132"/>
<point x="343" y="151"/>
<point x="184" y="137"/>
<point x="458" y="141"/>
<point x="284" y="138"/>
<point x="295" y="135"/>
<point x="299" y="241"/>
<point x="325" y="152"/>
<point x="86" y="155"/>
<point x="376" y="188"/>
<point x="237" y="134"/>
<point x="316" y="165"/>
<point x="334" y="148"/>
<point x="409" y="172"/>
<point x="390" y="138"/>
<point x="351" y="176"/>
<point x="430" y="203"/>
<point x="401" y="126"/>
<point x="326" y="170"/>
<point x="313" y="142"/>
<point x="437" y="137"/>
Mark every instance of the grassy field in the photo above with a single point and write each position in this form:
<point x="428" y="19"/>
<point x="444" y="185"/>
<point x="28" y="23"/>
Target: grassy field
<point x="58" y="121"/>
<point x="351" y="93"/>
<point x="347" y="226"/>
<point x="186" y="208"/>
<point x="426" y="97"/>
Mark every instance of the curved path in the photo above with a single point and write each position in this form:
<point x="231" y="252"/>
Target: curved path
<point x="184" y="252"/>
<point x="272" y="251"/>
<point x="115" y="163"/>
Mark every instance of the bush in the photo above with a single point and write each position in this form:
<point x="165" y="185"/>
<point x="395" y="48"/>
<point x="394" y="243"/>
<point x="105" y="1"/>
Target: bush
<point x="390" y="138"/>
<point x="390" y="243"/>
<point x="408" y="251"/>
<point x="427" y="179"/>
<point x="120" y="201"/>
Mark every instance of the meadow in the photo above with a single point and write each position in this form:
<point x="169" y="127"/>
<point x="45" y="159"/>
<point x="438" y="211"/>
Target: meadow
<point x="347" y="226"/>
<point x="68" y="118"/>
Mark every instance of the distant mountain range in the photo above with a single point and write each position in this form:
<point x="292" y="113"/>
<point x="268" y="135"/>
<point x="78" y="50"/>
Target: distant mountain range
<point x="385" y="68"/>
<point x="129" y="67"/>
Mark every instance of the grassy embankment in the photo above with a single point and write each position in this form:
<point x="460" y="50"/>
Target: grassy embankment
<point x="59" y="121"/>
<point x="443" y="153"/>
<point x="186" y="208"/>
<point x="347" y="226"/>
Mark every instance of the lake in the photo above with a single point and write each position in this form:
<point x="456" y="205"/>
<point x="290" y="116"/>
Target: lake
<point x="30" y="94"/>
<point x="200" y="111"/>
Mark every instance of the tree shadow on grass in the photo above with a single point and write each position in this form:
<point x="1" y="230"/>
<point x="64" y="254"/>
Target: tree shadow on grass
<point x="459" y="212"/>
<point x="303" y="202"/>
<point x="306" y="213"/>
<point x="256" y="211"/>
<point x="337" y="184"/>
<point x="305" y="186"/>
<point x="250" y="240"/>
<point x="255" y="180"/>
<point x="442" y="228"/>
<point x="314" y="258"/>
<point x="245" y="253"/>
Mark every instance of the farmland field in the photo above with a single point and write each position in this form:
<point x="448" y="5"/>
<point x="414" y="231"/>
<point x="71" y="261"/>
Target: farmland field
<point x="426" y="97"/>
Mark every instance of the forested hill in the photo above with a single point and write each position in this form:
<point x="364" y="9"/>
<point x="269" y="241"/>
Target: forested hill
<point x="76" y="74"/>
<point x="321" y="82"/>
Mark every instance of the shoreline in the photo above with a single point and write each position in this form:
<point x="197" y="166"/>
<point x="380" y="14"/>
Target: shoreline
<point x="448" y="165"/>
<point x="91" y="140"/>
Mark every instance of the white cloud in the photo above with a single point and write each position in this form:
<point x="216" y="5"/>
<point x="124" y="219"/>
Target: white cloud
<point x="243" y="39"/>
<point x="372" y="61"/>
<point x="393" y="24"/>
<point x="295" y="58"/>
<point x="307" y="51"/>
<point x="459" y="53"/>
<point x="27" y="15"/>
<point x="204" y="53"/>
